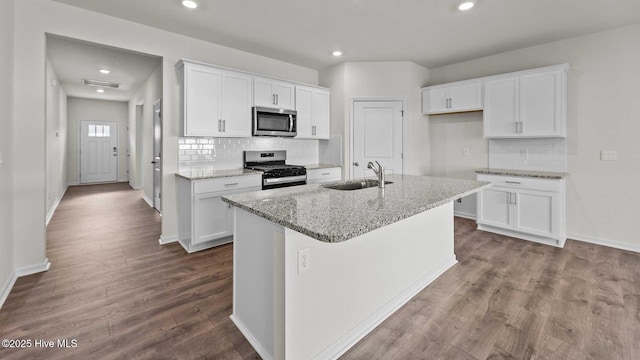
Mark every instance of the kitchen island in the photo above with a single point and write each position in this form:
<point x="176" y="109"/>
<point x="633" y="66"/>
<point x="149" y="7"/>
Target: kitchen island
<point x="316" y="269"/>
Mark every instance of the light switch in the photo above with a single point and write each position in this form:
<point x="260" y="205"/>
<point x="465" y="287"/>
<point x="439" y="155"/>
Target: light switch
<point x="608" y="155"/>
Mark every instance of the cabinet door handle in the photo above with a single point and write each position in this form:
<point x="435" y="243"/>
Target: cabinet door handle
<point x="324" y="174"/>
<point x="224" y="125"/>
<point x="220" y="125"/>
<point x="450" y="103"/>
<point x="231" y="184"/>
<point x="273" y="99"/>
<point x="513" y="182"/>
<point x="515" y="199"/>
<point x="277" y="99"/>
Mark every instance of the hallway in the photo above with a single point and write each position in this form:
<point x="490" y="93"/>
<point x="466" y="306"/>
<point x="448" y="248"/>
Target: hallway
<point x="115" y="290"/>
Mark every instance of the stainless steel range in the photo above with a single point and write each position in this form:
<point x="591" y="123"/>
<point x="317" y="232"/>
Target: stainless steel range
<point x="276" y="173"/>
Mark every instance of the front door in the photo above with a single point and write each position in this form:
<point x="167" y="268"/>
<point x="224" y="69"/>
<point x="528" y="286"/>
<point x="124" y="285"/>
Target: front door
<point x="157" y="155"/>
<point x="98" y="151"/>
<point x="377" y="136"/>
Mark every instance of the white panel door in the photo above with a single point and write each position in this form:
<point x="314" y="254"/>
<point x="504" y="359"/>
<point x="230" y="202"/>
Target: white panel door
<point x="263" y="93"/>
<point x="321" y="114"/>
<point x="540" y="103"/>
<point x="438" y="100"/>
<point x="537" y="212"/>
<point x="237" y="97"/>
<point x="377" y="136"/>
<point x="285" y="95"/>
<point x="304" y="107"/>
<point x="465" y="97"/>
<point x="494" y="206"/>
<point x="202" y="101"/>
<point x="98" y="151"/>
<point x="501" y="108"/>
<point x="213" y="218"/>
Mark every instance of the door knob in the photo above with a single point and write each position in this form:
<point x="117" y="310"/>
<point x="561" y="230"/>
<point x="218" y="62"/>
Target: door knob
<point x="356" y="163"/>
<point x="153" y="162"/>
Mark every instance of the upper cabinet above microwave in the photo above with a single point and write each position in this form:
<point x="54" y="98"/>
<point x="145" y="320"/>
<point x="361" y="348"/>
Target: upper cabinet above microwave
<point x="274" y="94"/>
<point x="214" y="102"/>
<point x="452" y="98"/>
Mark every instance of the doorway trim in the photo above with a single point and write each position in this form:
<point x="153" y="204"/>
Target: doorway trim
<point x="157" y="201"/>
<point x="352" y="121"/>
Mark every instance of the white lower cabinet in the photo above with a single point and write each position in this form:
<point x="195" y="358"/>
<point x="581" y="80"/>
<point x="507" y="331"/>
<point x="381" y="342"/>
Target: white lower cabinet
<point x="204" y="220"/>
<point x="317" y="176"/>
<point x="527" y="208"/>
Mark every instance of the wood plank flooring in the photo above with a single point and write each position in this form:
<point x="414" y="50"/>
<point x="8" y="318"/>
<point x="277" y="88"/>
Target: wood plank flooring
<point x="118" y="292"/>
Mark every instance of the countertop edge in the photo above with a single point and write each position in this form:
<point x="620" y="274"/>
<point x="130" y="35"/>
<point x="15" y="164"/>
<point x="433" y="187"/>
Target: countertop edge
<point x="524" y="173"/>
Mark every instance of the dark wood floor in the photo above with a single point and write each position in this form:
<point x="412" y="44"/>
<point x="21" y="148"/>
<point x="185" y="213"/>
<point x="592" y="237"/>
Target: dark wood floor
<point x="123" y="296"/>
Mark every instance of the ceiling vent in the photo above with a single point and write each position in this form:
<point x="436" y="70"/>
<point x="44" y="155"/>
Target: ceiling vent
<point x="99" y="83"/>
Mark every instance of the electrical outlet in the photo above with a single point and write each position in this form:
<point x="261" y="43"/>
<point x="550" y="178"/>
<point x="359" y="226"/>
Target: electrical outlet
<point x="465" y="152"/>
<point x="608" y="155"/>
<point x="304" y="260"/>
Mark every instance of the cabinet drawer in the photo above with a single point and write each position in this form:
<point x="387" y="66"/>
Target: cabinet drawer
<point x="517" y="182"/>
<point x="324" y="175"/>
<point x="227" y="184"/>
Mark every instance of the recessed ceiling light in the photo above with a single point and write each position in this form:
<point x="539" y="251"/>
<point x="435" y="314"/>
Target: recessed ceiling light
<point x="337" y="53"/>
<point x="100" y="90"/>
<point x="191" y="4"/>
<point x="105" y="71"/>
<point x="466" y="5"/>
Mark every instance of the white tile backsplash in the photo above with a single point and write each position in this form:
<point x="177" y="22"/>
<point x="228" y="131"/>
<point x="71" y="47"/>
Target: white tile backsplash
<point x="207" y="154"/>
<point x="330" y="151"/>
<point x="548" y="154"/>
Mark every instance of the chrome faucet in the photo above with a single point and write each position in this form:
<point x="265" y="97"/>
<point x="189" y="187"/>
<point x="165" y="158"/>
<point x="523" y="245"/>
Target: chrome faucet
<point x="379" y="172"/>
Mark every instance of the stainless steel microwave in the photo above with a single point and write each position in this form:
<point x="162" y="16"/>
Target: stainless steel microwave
<point x="274" y="122"/>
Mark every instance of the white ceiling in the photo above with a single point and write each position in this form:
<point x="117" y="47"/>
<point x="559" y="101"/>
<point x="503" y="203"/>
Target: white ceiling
<point x="73" y="61"/>
<point x="428" y="32"/>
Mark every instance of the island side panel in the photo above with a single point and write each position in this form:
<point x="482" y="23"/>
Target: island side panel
<point x="352" y="286"/>
<point x="258" y="283"/>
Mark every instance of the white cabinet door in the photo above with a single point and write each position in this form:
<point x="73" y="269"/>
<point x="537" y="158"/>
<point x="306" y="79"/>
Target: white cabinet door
<point x="304" y="107"/>
<point x="438" y="100"/>
<point x="202" y="100"/>
<point x="537" y="212"/>
<point x="541" y="104"/>
<point x="263" y="94"/>
<point x="321" y="114"/>
<point x="494" y="205"/>
<point x="465" y="97"/>
<point x="285" y="95"/>
<point x="237" y="92"/>
<point x="213" y="218"/>
<point x="501" y="107"/>
<point x="274" y="94"/>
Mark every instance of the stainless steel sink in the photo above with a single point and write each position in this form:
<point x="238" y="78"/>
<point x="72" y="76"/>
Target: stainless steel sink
<point x="356" y="185"/>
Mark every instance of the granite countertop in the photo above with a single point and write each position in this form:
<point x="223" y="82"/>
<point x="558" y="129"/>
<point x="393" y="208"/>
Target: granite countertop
<point x="523" y="173"/>
<point x="321" y="166"/>
<point x="211" y="174"/>
<point x="334" y="215"/>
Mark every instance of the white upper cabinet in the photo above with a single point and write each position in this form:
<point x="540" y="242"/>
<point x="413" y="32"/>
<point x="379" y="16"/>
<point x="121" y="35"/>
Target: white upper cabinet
<point x="314" y="108"/>
<point x="451" y="98"/>
<point x="274" y="94"/>
<point x="528" y="104"/>
<point x="201" y="100"/>
<point x="215" y="102"/>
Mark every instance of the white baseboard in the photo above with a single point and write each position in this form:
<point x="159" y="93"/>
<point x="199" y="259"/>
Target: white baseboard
<point x="6" y="289"/>
<point x="145" y="198"/>
<point x="33" y="269"/>
<point x="356" y="334"/>
<point x="464" y="215"/>
<point x="167" y="239"/>
<point x="73" y="183"/>
<point x="134" y="186"/>
<point x="55" y="205"/>
<point x="605" y="242"/>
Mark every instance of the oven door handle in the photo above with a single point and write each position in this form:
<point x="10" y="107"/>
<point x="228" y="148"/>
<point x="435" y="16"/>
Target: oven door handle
<point x="281" y="180"/>
<point x="290" y="123"/>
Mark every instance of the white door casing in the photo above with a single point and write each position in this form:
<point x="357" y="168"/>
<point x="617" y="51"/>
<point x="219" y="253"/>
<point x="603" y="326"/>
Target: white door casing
<point x="98" y="151"/>
<point x="157" y="155"/>
<point x="377" y="136"/>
